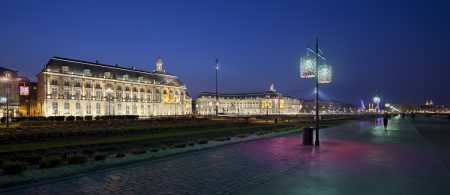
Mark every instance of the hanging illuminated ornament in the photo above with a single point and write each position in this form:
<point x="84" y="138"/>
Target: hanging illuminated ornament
<point x="307" y="67"/>
<point x="324" y="73"/>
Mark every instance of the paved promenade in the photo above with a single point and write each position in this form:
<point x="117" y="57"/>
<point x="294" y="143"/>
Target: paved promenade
<point x="357" y="158"/>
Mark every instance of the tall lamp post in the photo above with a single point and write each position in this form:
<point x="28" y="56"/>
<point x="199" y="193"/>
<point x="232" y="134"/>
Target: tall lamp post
<point x="217" y="102"/>
<point x="309" y="68"/>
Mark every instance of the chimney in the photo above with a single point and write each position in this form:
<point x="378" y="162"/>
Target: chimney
<point x="117" y="65"/>
<point x="96" y="61"/>
<point x="132" y="67"/>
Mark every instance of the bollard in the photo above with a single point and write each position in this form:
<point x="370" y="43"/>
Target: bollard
<point x="308" y="136"/>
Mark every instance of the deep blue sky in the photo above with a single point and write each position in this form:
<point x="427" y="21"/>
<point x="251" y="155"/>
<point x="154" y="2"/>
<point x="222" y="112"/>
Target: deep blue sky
<point x="397" y="49"/>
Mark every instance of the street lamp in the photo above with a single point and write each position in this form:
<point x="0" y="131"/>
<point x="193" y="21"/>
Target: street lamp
<point x="309" y="68"/>
<point x="217" y="102"/>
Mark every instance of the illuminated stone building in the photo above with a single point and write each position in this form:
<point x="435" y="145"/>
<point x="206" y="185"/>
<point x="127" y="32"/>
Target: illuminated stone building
<point x="9" y="89"/>
<point x="70" y="87"/>
<point x="263" y="103"/>
<point x="329" y="107"/>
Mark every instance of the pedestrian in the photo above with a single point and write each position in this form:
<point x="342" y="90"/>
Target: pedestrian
<point x="385" y="120"/>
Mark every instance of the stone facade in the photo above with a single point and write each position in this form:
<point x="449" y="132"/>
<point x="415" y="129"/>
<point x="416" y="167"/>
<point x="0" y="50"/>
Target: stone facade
<point x="265" y="103"/>
<point x="68" y="87"/>
<point x="9" y="89"/>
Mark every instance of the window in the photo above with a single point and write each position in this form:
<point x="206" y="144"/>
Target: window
<point x="67" y="93"/>
<point x="127" y="109"/>
<point x="148" y="109"/>
<point x="87" y="72"/>
<point x="127" y="97"/>
<point x="77" y="93"/>
<point x="88" y="84"/>
<point x="119" y="87"/>
<point x="65" y="69"/>
<point x="66" y="82"/>
<point x="78" y="108"/>
<point x="88" y="109"/>
<point x="88" y="94"/>
<point x="98" y="94"/>
<point x="66" y="108"/>
<point x="107" y="74"/>
<point x="7" y="74"/>
<point x="119" y="108"/>
<point x="97" y="108"/>
<point x="142" y="109"/>
<point x="135" y="97"/>
<point x="119" y="96"/>
<point x="54" y="92"/>
<point x="53" y="82"/>
<point x="142" y="97"/>
<point x="125" y="77"/>
<point x="55" y="108"/>
<point x="134" y="109"/>
<point x="77" y="83"/>
<point x="98" y="86"/>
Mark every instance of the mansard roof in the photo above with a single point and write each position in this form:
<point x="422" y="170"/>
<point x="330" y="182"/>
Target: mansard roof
<point x="77" y="67"/>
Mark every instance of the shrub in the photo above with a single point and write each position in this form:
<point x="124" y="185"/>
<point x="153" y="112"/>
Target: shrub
<point x="190" y="143"/>
<point x="222" y="139"/>
<point x="70" y="118"/>
<point x="242" y="135"/>
<point x="100" y="156"/>
<point x="153" y="149"/>
<point x="164" y="146"/>
<point x="50" y="162"/>
<point x="120" y="155"/>
<point x="180" y="145"/>
<point x="97" y="118"/>
<point x="79" y="118"/>
<point x="202" y="141"/>
<point x="14" y="168"/>
<point x="76" y="158"/>
<point x="88" y="118"/>
<point x="56" y="118"/>
<point x="88" y="152"/>
<point x="138" y="151"/>
<point x="258" y="133"/>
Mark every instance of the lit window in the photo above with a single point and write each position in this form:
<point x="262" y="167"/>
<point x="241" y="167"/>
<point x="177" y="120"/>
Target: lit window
<point x="87" y="72"/>
<point x="66" y="93"/>
<point x="66" y="108"/>
<point x="78" y="107"/>
<point x="119" y="108"/>
<point x="54" y="92"/>
<point x="88" y="109"/>
<point x="55" y="108"/>
<point x="97" y="108"/>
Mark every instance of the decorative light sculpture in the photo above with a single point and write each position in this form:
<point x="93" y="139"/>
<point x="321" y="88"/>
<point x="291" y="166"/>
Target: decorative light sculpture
<point x="376" y="100"/>
<point x="324" y="73"/>
<point x="307" y="67"/>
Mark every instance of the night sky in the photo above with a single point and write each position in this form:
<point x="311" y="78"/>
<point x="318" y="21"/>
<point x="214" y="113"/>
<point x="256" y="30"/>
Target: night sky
<point x="399" y="50"/>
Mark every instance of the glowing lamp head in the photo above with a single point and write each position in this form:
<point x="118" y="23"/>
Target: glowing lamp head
<point x="324" y="73"/>
<point x="387" y="105"/>
<point x="307" y="67"/>
<point x="376" y="100"/>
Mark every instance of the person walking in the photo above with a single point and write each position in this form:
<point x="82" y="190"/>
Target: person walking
<point x="385" y="120"/>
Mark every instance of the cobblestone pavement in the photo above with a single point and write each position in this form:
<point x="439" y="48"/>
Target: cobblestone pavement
<point x="229" y="169"/>
<point x="356" y="158"/>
